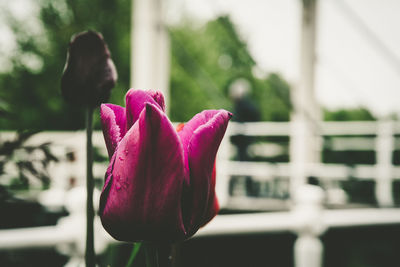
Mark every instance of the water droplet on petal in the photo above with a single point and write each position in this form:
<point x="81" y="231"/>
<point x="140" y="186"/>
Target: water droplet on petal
<point x="121" y="158"/>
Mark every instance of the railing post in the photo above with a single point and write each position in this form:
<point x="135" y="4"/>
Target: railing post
<point x="384" y="148"/>
<point x="305" y="141"/>
<point x="307" y="212"/>
<point x="223" y="178"/>
<point x="299" y="153"/>
<point x="150" y="47"/>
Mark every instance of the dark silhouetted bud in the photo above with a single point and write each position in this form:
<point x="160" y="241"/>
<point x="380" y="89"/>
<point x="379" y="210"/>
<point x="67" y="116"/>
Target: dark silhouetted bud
<point x="89" y="74"/>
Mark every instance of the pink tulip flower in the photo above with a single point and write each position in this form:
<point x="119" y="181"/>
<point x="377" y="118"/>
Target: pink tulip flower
<point x="160" y="184"/>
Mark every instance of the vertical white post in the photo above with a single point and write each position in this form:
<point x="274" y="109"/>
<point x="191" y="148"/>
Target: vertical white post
<point x="308" y="251"/>
<point x="307" y="212"/>
<point x="305" y="142"/>
<point x="384" y="149"/>
<point x="300" y="139"/>
<point x="223" y="178"/>
<point x="150" y="48"/>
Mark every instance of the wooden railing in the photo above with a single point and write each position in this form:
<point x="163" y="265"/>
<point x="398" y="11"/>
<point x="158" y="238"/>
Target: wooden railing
<point x="305" y="214"/>
<point x="380" y="137"/>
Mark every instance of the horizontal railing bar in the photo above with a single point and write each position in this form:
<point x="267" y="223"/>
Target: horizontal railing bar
<point x="276" y="222"/>
<point x="361" y="217"/>
<point x="35" y="237"/>
<point x="264" y="128"/>
<point x="242" y="224"/>
<point x="324" y="171"/>
<point x="349" y="128"/>
<point x="222" y="225"/>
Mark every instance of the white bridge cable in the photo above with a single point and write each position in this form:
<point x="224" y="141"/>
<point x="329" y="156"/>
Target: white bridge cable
<point x="369" y="34"/>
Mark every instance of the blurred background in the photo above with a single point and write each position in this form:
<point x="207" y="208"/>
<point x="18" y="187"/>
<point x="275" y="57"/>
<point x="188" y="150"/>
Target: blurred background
<point x="309" y="165"/>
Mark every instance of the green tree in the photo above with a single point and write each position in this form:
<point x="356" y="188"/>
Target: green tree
<point x="33" y="95"/>
<point x="206" y="60"/>
<point x="352" y="114"/>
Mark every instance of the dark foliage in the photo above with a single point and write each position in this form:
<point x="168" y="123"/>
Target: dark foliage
<point x="30" y="161"/>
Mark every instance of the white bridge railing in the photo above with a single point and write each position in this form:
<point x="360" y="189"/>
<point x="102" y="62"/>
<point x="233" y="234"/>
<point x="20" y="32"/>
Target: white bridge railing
<point x="306" y="215"/>
<point x="381" y="137"/>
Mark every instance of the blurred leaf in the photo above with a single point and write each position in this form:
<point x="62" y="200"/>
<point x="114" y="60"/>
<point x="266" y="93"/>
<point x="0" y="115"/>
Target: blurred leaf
<point x="353" y="114"/>
<point x="207" y="60"/>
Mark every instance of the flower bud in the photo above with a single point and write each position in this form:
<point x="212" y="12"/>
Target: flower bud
<point x="89" y="73"/>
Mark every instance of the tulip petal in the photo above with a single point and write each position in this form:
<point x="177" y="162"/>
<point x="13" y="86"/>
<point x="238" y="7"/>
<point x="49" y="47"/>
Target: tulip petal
<point x="113" y="120"/>
<point x="186" y="131"/>
<point x="213" y="204"/>
<point x="143" y="196"/>
<point x="107" y="184"/>
<point x="158" y="97"/>
<point x="201" y="137"/>
<point x="136" y="101"/>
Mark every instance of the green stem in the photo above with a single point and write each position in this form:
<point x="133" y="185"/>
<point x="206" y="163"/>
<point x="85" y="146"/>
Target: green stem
<point x="89" y="255"/>
<point x="151" y="255"/>
<point x="135" y="251"/>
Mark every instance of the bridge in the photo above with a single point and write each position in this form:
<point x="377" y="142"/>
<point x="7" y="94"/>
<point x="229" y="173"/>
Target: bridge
<point x="307" y="210"/>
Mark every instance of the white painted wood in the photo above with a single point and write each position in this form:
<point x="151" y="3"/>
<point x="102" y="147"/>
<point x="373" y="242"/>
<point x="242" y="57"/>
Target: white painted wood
<point x="384" y="150"/>
<point x="150" y="50"/>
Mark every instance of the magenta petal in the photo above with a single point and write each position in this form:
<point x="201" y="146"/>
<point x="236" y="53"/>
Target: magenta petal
<point x="213" y="204"/>
<point x="114" y="125"/>
<point x="158" y="97"/>
<point x="143" y="198"/>
<point x="186" y="133"/>
<point x="107" y="184"/>
<point x="201" y="137"/>
<point x="136" y="101"/>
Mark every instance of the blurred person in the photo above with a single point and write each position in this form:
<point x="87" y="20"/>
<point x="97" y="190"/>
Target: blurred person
<point x="244" y="110"/>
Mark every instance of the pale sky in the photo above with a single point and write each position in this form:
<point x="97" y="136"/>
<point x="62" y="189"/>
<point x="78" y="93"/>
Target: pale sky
<point x="350" y="70"/>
